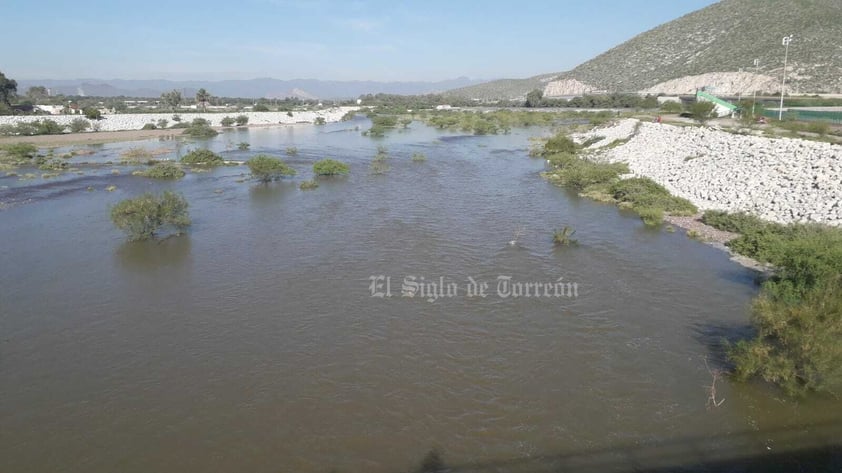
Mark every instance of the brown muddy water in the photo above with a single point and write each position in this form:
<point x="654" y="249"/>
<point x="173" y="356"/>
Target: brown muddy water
<point x="254" y="343"/>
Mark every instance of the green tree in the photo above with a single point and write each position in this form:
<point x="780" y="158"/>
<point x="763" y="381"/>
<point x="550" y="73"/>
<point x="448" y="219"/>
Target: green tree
<point x="143" y="216"/>
<point x="535" y="98"/>
<point x="202" y="98"/>
<point x="172" y="99"/>
<point x="267" y="168"/>
<point x="92" y="113"/>
<point x="8" y="89"/>
<point x="227" y="121"/>
<point x="701" y="111"/>
<point x="242" y="120"/>
<point x="79" y="125"/>
<point x="37" y="93"/>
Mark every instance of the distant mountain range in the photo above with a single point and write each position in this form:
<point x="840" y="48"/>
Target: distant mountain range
<point x="708" y="48"/>
<point x="252" y="88"/>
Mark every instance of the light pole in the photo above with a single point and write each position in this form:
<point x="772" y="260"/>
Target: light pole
<point x="785" y="42"/>
<point x="754" y="99"/>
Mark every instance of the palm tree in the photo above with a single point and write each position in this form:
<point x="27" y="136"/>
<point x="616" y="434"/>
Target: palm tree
<point x="202" y="98"/>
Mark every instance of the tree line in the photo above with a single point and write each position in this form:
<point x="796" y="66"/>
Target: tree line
<point x="536" y="99"/>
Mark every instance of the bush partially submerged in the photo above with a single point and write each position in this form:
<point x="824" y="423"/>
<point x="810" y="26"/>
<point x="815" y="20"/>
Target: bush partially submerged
<point x="330" y="167"/>
<point x="17" y="154"/>
<point x="560" y="144"/>
<point x="564" y="236"/>
<point x="798" y="315"/>
<point x="200" y="128"/>
<point x="798" y="345"/>
<point x="267" y="168"/>
<point x="143" y="216"/>
<point x="202" y="157"/>
<point x="571" y="171"/>
<point x="164" y="170"/>
<point x="308" y="185"/>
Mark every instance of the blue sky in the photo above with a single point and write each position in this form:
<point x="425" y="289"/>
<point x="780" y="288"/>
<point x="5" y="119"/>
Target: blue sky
<point x="322" y="39"/>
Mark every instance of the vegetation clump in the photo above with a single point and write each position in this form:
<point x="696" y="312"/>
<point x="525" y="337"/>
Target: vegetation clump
<point x="79" y="125"/>
<point x="564" y="236"/>
<point x="135" y="156"/>
<point x="200" y="128"/>
<point x="702" y="111"/>
<point x="143" y="216"/>
<point x="164" y="170"/>
<point x="580" y="174"/>
<point x="227" y="121"/>
<point x="35" y="127"/>
<point x="798" y="315"/>
<point x="560" y="143"/>
<point x="292" y="151"/>
<point x="266" y="168"/>
<point x="308" y="185"/>
<point x="381" y="123"/>
<point x="330" y="167"/>
<point x="601" y="181"/>
<point x="418" y="157"/>
<point x="17" y="154"/>
<point x="650" y="199"/>
<point x="202" y="157"/>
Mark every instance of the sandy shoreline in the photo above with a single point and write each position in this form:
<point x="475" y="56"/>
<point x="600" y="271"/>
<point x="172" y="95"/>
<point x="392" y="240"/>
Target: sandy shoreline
<point x="90" y="138"/>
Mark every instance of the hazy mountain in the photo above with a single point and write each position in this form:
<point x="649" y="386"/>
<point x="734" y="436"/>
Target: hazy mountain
<point x="723" y="38"/>
<point x="253" y="88"/>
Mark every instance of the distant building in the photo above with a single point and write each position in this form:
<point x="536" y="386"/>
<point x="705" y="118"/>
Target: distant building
<point x="51" y="109"/>
<point x="443" y="107"/>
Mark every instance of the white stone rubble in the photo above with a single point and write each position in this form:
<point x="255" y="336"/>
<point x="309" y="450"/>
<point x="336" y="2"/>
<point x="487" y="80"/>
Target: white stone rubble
<point x="136" y="121"/>
<point x="778" y="179"/>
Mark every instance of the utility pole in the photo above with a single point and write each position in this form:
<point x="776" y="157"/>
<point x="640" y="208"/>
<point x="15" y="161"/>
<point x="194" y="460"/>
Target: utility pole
<point x="754" y="100"/>
<point x="785" y="42"/>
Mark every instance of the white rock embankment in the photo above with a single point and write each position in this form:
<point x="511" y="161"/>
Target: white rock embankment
<point x="779" y="179"/>
<point x="136" y="121"/>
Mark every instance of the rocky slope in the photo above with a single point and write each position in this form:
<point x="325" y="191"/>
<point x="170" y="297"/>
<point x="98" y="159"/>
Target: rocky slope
<point x="782" y="180"/>
<point x="723" y="83"/>
<point x="727" y="37"/>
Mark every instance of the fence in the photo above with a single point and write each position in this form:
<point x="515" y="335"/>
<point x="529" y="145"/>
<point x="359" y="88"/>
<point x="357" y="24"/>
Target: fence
<point x="807" y="115"/>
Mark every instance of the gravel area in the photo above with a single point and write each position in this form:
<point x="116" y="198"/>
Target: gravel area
<point x="778" y="179"/>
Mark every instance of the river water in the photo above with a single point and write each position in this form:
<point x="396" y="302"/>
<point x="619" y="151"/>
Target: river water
<point x="257" y="342"/>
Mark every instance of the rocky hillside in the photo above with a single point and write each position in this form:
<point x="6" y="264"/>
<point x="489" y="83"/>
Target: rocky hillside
<point x="727" y="37"/>
<point x="724" y="39"/>
<point x="505" y="89"/>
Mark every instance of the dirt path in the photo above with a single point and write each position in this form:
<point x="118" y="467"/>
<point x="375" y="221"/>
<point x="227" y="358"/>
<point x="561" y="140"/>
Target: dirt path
<point x="96" y="137"/>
